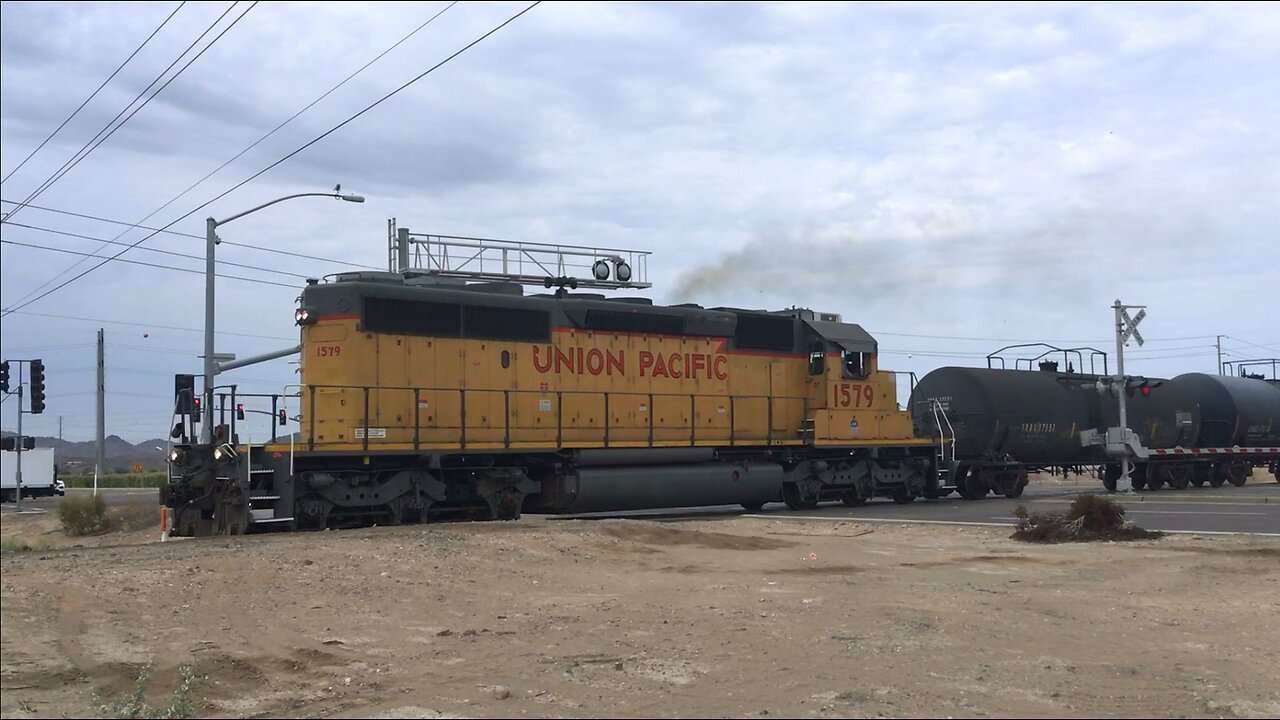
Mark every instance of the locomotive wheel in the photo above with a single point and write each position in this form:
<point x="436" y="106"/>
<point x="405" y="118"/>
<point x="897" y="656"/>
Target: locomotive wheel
<point x="903" y="496"/>
<point x="753" y="507"/>
<point x="1154" y="482"/>
<point x="1139" y="483"/>
<point x="851" y="498"/>
<point x="1109" y="483"/>
<point x="1197" y="480"/>
<point x="792" y="496"/>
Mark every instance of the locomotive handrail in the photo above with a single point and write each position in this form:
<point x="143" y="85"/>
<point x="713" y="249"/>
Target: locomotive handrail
<point x="366" y="425"/>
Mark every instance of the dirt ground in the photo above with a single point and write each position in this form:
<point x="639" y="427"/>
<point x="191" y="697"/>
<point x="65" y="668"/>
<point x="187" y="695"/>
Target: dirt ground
<point x="734" y="617"/>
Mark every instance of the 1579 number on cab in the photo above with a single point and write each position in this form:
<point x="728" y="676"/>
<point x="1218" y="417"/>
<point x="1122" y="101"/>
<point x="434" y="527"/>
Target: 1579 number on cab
<point x="851" y="395"/>
<point x="328" y="350"/>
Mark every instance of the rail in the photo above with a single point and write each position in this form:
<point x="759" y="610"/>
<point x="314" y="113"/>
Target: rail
<point x="513" y="418"/>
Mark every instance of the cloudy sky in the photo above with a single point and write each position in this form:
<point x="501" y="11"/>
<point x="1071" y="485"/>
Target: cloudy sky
<point x="954" y="178"/>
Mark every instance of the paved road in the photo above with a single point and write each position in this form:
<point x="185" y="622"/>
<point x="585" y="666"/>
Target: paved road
<point x="112" y="496"/>
<point x="1253" y="509"/>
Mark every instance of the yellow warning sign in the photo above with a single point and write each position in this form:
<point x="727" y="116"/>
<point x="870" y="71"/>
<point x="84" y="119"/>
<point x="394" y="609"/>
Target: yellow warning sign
<point x="137" y="467"/>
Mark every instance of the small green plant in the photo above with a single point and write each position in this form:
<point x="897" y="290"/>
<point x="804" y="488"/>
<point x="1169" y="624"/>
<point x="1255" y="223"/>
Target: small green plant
<point x="10" y="546"/>
<point x="83" y="515"/>
<point x="134" y="705"/>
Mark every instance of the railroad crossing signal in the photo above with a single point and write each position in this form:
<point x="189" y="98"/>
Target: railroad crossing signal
<point x="1131" y="325"/>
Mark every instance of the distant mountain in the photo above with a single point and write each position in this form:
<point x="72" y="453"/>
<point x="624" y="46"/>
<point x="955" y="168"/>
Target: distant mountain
<point x="120" y="454"/>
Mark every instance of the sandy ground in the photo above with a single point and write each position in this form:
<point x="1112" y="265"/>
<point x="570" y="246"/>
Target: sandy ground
<point x="758" y="617"/>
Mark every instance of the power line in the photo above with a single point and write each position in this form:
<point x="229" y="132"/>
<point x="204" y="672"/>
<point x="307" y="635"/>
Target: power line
<point x="189" y="235"/>
<point x="258" y="174"/>
<point x="147" y="264"/>
<point x="247" y="149"/>
<point x="96" y="142"/>
<point x="156" y="250"/>
<point x="94" y="93"/>
<point x="152" y="326"/>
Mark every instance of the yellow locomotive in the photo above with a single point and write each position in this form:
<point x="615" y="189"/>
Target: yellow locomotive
<point x="428" y="397"/>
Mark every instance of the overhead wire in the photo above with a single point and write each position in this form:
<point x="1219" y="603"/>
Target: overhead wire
<point x="162" y="252"/>
<point x="152" y="326"/>
<point x="150" y="265"/>
<point x="107" y="131"/>
<point x="94" y="93"/>
<point x="237" y="156"/>
<point x="273" y="165"/>
<point x="193" y="235"/>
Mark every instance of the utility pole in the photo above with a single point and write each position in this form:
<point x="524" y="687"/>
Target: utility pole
<point x="17" y="480"/>
<point x="1219" y="344"/>
<point x="101" y="459"/>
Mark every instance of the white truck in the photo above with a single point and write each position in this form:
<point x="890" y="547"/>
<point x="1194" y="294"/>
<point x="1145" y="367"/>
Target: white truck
<point x="39" y="474"/>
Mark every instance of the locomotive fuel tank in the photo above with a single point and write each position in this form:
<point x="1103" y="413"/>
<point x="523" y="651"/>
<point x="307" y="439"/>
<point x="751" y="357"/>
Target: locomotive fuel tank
<point x="1233" y="410"/>
<point x="1030" y="416"/>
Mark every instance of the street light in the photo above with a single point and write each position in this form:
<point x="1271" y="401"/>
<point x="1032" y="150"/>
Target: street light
<point x="211" y="241"/>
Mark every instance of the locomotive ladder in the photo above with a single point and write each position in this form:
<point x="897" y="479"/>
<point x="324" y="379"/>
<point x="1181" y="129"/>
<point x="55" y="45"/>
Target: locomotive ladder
<point x="946" y="448"/>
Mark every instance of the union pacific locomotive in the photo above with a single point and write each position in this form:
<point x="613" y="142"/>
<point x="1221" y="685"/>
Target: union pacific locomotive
<point x="425" y="397"/>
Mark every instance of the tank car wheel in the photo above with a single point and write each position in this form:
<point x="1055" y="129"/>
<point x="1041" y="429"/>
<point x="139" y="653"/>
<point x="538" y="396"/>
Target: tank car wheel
<point x="1110" y="475"/>
<point x="1014" y="486"/>
<point x="794" y="497"/>
<point x="1179" y="477"/>
<point x="974" y="487"/>
<point x="903" y="496"/>
<point x="1219" y="476"/>
<point x="851" y="498"/>
<point x="753" y="506"/>
<point x="1238" y="475"/>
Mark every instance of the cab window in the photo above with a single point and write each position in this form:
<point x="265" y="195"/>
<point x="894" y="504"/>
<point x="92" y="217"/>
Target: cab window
<point x="852" y="365"/>
<point x="817" y="359"/>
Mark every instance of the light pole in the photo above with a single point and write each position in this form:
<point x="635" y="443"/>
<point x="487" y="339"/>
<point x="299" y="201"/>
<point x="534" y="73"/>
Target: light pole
<point x="211" y="241"/>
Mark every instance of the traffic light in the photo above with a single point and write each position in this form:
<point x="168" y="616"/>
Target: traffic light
<point x="4" y="376"/>
<point x="239" y="411"/>
<point x="37" y="386"/>
<point x="284" y="417"/>
<point x="1140" y="385"/>
<point x="9" y="444"/>
<point x="184" y="390"/>
<point x="28" y="443"/>
<point x="195" y="409"/>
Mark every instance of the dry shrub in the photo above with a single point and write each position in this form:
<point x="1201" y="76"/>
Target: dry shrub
<point x="1089" y="519"/>
<point x="90" y="516"/>
<point x="84" y="515"/>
